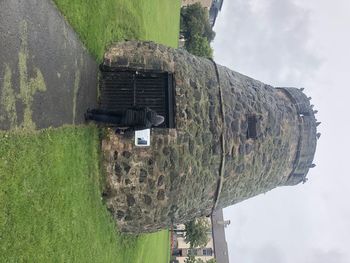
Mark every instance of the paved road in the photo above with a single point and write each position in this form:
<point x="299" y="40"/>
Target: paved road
<point x="47" y="78"/>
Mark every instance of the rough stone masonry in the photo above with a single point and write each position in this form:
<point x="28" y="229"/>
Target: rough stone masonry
<point x="235" y="138"/>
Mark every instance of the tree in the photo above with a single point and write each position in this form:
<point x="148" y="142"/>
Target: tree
<point x="195" y="20"/>
<point x="197" y="232"/>
<point x="192" y="18"/>
<point x="199" y="46"/>
<point x="190" y="259"/>
<point x="196" y="29"/>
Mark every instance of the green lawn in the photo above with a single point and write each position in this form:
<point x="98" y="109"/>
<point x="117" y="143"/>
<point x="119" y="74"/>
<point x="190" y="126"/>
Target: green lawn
<point x="100" y="23"/>
<point x="150" y="248"/>
<point x="50" y="181"/>
<point x="51" y="207"/>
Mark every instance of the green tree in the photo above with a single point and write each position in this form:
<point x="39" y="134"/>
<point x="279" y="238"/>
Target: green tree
<point x="190" y="259"/>
<point x="197" y="30"/>
<point x="208" y="32"/>
<point x="197" y="232"/>
<point x="191" y="18"/>
<point x="195" y="20"/>
<point x="199" y="46"/>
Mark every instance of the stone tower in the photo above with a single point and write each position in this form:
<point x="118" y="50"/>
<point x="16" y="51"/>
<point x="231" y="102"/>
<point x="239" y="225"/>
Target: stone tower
<point x="234" y="138"/>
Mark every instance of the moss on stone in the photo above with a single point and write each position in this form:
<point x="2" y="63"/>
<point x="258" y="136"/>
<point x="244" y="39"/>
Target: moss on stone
<point x="8" y="99"/>
<point x="28" y="86"/>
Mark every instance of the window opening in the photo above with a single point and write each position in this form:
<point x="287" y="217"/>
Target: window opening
<point x="207" y="252"/>
<point x="252" y="129"/>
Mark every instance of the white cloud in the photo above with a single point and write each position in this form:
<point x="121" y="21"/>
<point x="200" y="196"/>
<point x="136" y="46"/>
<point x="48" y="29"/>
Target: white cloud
<point x="330" y="256"/>
<point x="268" y="39"/>
<point x="304" y="44"/>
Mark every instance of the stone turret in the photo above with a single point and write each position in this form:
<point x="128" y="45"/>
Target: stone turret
<point x="234" y="138"/>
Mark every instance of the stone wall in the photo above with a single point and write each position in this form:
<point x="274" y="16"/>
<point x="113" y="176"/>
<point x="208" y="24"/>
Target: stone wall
<point x="256" y="165"/>
<point x="179" y="177"/>
<point x="175" y="179"/>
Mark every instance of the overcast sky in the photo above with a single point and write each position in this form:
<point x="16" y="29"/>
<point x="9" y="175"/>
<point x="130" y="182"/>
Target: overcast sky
<point x="302" y="44"/>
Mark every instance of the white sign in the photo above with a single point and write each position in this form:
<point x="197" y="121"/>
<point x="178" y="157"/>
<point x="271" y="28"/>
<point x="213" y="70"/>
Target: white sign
<point x="143" y="137"/>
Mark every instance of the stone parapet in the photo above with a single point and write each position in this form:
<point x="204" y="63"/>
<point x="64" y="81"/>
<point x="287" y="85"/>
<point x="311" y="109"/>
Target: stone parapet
<point x="307" y="140"/>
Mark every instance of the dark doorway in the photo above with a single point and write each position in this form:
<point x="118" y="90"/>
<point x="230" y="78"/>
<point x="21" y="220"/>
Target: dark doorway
<point x="121" y="89"/>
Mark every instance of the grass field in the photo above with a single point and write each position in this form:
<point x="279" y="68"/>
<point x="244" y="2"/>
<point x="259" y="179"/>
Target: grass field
<point x="100" y="23"/>
<point x="150" y="248"/>
<point x="51" y="207"/>
<point x="50" y="181"/>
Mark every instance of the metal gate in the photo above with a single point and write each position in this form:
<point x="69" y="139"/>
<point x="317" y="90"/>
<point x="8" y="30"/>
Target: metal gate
<point x="122" y="89"/>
